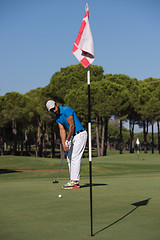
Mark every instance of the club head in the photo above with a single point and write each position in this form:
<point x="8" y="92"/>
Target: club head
<point x="55" y="181"/>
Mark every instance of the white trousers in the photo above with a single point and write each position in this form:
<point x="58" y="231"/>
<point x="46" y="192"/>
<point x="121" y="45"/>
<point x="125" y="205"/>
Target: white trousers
<point x="75" y="153"/>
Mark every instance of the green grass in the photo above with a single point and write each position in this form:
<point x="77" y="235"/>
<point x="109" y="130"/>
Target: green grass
<point x="31" y="210"/>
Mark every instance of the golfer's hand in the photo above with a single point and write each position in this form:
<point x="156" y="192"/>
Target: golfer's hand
<point x="66" y="146"/>
<point x="66" y="149"/>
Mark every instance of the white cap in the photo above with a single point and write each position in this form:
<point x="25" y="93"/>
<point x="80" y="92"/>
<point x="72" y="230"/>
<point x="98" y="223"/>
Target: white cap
<point x="50" y="104"/>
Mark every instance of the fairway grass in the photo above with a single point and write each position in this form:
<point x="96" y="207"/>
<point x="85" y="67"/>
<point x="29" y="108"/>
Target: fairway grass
<point x="126" y="199"/>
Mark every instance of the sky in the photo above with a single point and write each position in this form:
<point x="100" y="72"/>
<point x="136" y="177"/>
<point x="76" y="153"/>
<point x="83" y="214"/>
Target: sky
<point x="37" y="37"/>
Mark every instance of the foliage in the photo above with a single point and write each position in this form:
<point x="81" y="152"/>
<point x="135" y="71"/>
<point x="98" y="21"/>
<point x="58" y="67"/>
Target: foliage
<point x="112" y="96"/>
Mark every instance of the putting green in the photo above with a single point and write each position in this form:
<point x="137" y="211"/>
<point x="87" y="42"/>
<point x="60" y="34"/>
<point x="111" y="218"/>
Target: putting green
<point x="125" y="200"/>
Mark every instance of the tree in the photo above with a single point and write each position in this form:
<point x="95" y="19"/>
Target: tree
<point x="141" y="104"/>
<point x="148" y="105"/>
<point x="37" y="117"/>
<point x="108" y="98"/>
<point x="121" y="100"/>
<point x="13" y="112"/>
<point x="133" y="116"/>
<point x="72" y="77"/>
<point x="153" y="84"/>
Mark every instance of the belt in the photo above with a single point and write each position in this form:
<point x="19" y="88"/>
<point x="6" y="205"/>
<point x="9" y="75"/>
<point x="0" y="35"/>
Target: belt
<point x="79" y="132"/>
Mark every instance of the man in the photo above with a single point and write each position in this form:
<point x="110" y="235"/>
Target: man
<point x="75" y="141"/>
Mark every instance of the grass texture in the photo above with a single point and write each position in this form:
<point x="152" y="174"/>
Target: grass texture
<point x="126" y="199"/>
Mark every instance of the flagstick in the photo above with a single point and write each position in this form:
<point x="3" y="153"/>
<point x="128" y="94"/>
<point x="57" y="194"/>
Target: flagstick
<point x="90" y="153"/>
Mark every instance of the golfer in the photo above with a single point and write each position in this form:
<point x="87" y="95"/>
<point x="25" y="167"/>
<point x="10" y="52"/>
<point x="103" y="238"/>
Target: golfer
<point x="75" y="141"/>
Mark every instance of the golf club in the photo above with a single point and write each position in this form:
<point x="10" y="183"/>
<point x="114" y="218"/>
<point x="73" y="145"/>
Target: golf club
<point x="57" y="181"/>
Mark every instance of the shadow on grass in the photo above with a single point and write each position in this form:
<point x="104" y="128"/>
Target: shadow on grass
<point x="4" y="171"/>
<point x="93" y="185"/>
<point x="137" y="204"/>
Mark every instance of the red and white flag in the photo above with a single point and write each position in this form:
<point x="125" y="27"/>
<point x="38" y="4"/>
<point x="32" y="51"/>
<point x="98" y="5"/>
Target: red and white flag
<point x="83" y="47"/>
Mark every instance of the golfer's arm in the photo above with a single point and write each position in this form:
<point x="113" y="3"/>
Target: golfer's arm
<point x="62" y="134"/>
<point x="70" y="121"/>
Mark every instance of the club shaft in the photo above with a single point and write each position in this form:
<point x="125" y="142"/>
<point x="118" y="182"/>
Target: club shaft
<point x="60" y="167"/>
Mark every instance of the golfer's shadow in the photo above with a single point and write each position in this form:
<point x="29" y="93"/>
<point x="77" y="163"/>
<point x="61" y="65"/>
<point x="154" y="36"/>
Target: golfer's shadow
<point x="93" y="185"/>
<point x="137" y="204"/>
<point x="5" y="171"/>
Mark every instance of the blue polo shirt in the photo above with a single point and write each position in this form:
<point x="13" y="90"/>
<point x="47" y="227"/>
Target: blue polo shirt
<point x="66" y="112"/>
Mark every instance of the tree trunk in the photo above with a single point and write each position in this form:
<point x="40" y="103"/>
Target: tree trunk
<point x="152" y="138"/>
<point x="4" y="140"/>
<point x="29" y="138"/>
<point x="2" y="144"/>
<point x="105" y="137"/>
<point x="39" y="139"/>
<point x="53" y="138"/>
<point x="21" y="143"/>
<point x="13" y="143"/>
<point x="158" y="127"/>
<point x="36" y="145"/>
<point x="102" y="139"/>
<point x="5" y="146"/>
<point x="145" y="132"/>
<point x="43" y="140"/>
<point x="120" y="139"/>
<point x="131" y="126"/>
<point x="97" y="135"/>
<point x="26" y="141"/>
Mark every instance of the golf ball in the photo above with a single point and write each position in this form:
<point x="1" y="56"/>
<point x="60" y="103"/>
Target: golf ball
<point x="59" y="195"/>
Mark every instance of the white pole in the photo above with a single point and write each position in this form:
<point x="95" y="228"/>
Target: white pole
<point x="90" y="147"/>
<point x="89" y="116"/>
